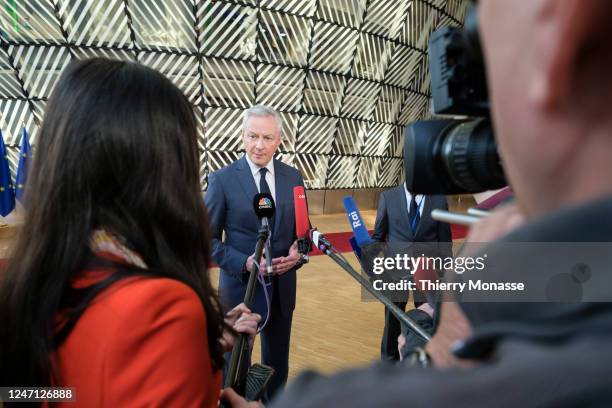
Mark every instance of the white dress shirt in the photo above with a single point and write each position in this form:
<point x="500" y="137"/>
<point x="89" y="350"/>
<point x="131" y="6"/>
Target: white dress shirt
<point x="269" y="175"/>
<point x="419" y="200"/>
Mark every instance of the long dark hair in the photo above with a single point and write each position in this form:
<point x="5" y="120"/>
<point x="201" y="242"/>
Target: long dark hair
<point x="117" y="149"/>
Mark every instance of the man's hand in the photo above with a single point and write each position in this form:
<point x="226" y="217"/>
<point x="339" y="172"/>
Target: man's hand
<point x="454" y="326"/>
<point x="263" y="268"/>
<point x="401" y="342"/>
<point x="249" y="263"/>
<point x="242" y="320"/>
<point x="236" y="401"/>
<point x="426" y="307"/>
<point x="401" y="339"/>
<point x="499" y="222"/>
<point x="286" y="263"/>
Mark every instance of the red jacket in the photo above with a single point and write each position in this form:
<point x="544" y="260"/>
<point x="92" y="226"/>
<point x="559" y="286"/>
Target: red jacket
<point x="141" y="343"/>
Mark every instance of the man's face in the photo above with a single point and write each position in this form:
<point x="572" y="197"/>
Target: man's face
<point x="261" y="139"/>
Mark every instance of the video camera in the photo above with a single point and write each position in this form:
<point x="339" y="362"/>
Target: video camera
<point x="454" y="155"/>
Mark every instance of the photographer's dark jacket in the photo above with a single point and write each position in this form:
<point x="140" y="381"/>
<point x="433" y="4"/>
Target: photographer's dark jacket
<point x="535" y="354"/>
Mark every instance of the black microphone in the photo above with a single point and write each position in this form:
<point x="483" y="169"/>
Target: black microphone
<point x="264" y="207"/>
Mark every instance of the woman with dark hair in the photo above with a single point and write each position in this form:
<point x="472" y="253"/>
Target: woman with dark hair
<point x="107" y="290"/>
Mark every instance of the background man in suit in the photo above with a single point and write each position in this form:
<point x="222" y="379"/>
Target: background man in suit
<point x="405" y="218"/>
<point x="230" y="205"/>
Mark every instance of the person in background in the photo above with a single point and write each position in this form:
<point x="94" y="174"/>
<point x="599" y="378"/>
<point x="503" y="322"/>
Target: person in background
<point x="402" y="219"/>
<point x="107" y="290"/>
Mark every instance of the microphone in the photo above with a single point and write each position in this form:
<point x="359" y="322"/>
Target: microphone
<point x="363" y="246"/>
<point x="320" y="241"/>
<point x="356" y="248"/>
<point x="257" y="376"/>
<point x="302" y="223"/>
<point x="362" y="237"/>
<point x="264" y="207"/>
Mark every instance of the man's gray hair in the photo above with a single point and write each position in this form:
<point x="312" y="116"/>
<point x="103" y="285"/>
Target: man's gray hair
<point x="262" y="111"/>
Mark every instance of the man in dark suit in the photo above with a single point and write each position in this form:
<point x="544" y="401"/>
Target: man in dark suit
<point x="230" y="205"/>
<point x="403" y="218"/>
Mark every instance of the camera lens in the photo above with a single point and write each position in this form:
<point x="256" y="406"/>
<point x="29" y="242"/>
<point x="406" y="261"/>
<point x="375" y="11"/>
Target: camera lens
<point x="470" y="156"/>
<point x="451" y="157"/>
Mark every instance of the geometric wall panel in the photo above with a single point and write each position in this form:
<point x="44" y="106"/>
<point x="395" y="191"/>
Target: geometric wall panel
<point x="313" y="168"/>
<point x="346" y="76"/>
<point x="349" y="16"/>
<point x="333" y="48"/>
<point x="349" y="137"/>
<point x="316" y="134"/>
<point x="341" y="171"/>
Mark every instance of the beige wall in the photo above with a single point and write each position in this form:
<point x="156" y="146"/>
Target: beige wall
<point x="330" y="201"/>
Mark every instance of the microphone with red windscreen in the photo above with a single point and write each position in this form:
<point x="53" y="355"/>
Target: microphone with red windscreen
<point x="302" y="223"/>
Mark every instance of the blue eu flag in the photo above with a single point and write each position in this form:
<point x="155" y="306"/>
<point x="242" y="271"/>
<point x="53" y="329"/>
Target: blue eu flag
<point x="23" y="168"/>
<point x="7" y="194"/>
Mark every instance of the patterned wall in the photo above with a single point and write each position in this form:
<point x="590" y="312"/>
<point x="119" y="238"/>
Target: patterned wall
<point x="347" y="75"/>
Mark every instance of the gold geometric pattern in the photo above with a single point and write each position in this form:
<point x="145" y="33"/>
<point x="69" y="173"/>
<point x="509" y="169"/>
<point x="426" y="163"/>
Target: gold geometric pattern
<point x="346" y="75"/>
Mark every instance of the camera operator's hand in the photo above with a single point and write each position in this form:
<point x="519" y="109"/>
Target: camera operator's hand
<point x="401" y="342"/>
<point x="498" y="223"/>
<point x="241" y="320"/>
<point x="454" y="326"/>
<point x="236" y="401"/>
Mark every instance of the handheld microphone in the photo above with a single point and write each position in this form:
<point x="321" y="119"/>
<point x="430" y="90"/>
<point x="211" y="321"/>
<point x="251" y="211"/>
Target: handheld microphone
<point x="362" y="237"/>
<point x="264" y="207"/>
<point x="252" y="382"/>
<point x="302" y="223"/>
<point x="356" y="248"/>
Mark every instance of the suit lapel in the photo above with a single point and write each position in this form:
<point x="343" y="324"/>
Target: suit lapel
<point x="245" y="178"/>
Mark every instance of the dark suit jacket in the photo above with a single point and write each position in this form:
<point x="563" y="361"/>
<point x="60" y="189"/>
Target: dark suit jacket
<point x="530" y="365"/>
<point x="393" y="223"/>
<point x="229" y="200"/>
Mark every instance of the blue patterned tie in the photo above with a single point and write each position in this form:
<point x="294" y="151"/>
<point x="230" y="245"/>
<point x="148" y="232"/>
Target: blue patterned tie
<point x="414" y="215"/>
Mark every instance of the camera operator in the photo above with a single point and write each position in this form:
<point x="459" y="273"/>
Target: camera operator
<point x="548" y="67"/>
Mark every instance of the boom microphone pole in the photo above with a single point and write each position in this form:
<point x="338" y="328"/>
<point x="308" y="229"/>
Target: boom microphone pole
<point x="454" y="218"/>
<point x="258" y="374"/>
<point x="326" y="247"/>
